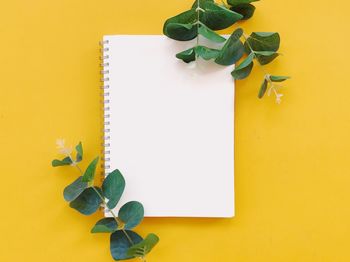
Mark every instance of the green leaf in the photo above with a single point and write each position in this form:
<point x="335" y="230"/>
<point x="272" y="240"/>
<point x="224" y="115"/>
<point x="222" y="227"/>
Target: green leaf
<point x="218" y="17"/>
<point x="206" y="53"/>
<point x="239" y="2"/>
<point x="210" y="34"/>
<point x="120" y="243"/>
<point x="262" y="41"/>
<point x="265" y="57"/>
<point x="64" y="162"/>
<point x="278" y="78"/>
<point x="187" y="56"/>
<point x="233" y="49"/>
<point x="244" y="69"/>
<point x="73" y="190"/>
<point x="113" y="188"/>
<point x="181" y="27"/>
<point x="144" y="247"/>
<point x="87" y="202"/>
<point x="105" y="225"/>
<point x="79" y="149"/>
<point x="201" y="3"/>
<point x="131" y="214"/>
<point x="246" y="10"/>
<point x="263" y="88"/>
<point x="90" y="171"/>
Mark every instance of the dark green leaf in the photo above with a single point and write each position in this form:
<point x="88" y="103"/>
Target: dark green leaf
<point x="262" y="41"/>
<point x="232" y="50"/>
<point x="105" y="225"/>
<point x="278" y="78"/>
<point x="187" y="56"/>
<point x="113" y="188"/>
<point x="87" y="202"/>
<point x="206" y="53"/>
<point x="64" y="162"/>
<point x="79" y="149"/>
<point x="181" y="27"/>
<point x="210" y="34"/>
<point x="144" y="247"/>
<point x="90" y="171"/>
<point x="73" y="190"/>
<point x="239" y="2"/>
<point x="265" y="57"/>
<point x="263" y="88"/>
<point x="131" y="214"/>
<point x="120" y="243"/>
<point x="244" y="69"/>
<point x="246" y="10"/>
<point x="217" y="17"/>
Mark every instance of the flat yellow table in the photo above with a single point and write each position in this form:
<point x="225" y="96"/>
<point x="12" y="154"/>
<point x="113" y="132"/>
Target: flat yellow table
<point x="292" y="160"/>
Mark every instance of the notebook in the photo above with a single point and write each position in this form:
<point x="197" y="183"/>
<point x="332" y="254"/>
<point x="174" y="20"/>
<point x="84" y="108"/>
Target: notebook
<point x="169" y="127"/>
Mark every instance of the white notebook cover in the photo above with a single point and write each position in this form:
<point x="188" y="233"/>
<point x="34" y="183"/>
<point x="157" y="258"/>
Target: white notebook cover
<point x="170" y="127"/>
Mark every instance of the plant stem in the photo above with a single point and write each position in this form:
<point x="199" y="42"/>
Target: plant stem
<point x="103" y="201"/>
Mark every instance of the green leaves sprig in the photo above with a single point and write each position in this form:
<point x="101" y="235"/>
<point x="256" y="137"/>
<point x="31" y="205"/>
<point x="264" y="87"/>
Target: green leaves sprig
<point x="87" y="198"/>
<point x="205" y="17"/>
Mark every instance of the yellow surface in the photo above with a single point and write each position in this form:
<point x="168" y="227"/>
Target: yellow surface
<point x="292" y="160"/>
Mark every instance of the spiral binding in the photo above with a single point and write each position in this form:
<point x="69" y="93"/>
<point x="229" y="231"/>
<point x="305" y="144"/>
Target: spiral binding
<point x="105" y="107"/>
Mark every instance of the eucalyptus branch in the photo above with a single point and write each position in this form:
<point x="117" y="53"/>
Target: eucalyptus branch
<point x="87" y="198"/>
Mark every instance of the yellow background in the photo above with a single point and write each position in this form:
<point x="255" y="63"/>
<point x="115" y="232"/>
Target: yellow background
<point x="292" y="160"/>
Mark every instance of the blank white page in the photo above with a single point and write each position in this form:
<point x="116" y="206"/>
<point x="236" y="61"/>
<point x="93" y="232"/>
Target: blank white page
<point x="171" y="127"/>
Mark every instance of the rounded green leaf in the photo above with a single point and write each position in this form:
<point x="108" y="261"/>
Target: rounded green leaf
<point x="181" y="27"/>
<point x="105" y="225"/>
<point x="218" y="17"/>
<point x="144" y="247"/>
<point x="90" y="171"/>
<point x="278" y="78"/>
<point x="73" y="190"/>
<point x="246" y="10"/>
<point x="210" y="34"/>
<point x="87" y="202"/>
<point x="206" y="53"/>
<point x="131" y="214"/>
<point x="244" y="69"/>
<point x="113" y="188"/>
<point x="263" y="41"/>
<point x="265" y="57"/>
<point x="121" y="241"/>
<point x="233" y="49"/>
<point x="187" y="56"/>
<point x="263" y="88"/>
<point x="64" y="162"/>
<point x="79" y="149"/>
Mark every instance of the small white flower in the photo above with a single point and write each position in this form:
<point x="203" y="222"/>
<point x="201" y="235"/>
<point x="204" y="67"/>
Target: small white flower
<point x="62" y="149"/>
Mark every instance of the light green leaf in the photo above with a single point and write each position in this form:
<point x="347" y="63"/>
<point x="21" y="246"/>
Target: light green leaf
<point x="180" y="27"/>
<point x="210" y="34"/>
<point x="87" y="202"/>
<point x="79" y="149"/>
<point x="218" y="17"/>
<point x="105" y="225"/>
<point x="246" y="10"/>
<point x="64" y="162"/>
<point x="144" y="247"/>
<point x="278" y="78"/>
<point x="113" y="188"/>
<point x="263" y="88"/>
<point x="73" y="190"/>
<point x="90" y="171"/>
<point x="262" y="41"/>
<point x="239" y="2"/>
<point x="131" y="214"/>
<point x="187" y="56"/>
<point x="233" y="49"/>
<point x="244" y="69"/>
<point x="206" y="53"/>
<point x="120" y="243"/>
